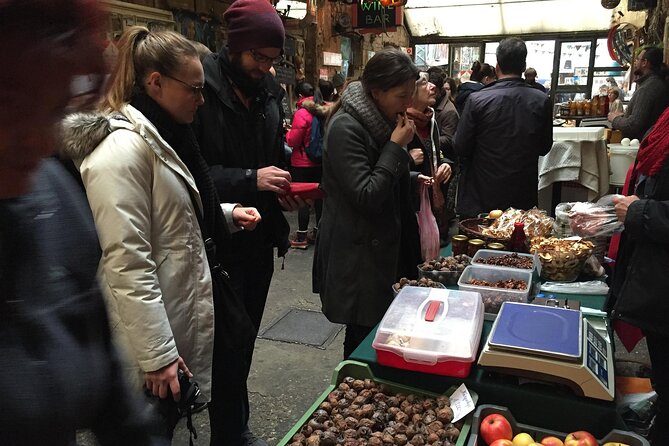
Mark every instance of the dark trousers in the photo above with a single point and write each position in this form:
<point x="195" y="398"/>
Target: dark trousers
<point x="307" y="175"/>
<point x="355" y="334"/>
<point x="250" y="277"/>
<point x="658" y="350"/>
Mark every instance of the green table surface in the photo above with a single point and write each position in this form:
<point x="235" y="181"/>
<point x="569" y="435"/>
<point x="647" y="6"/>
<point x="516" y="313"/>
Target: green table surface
<point x="536" y="404"/>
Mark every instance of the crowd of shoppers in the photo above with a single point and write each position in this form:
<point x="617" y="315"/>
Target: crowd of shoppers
<point x="161" y="278"/>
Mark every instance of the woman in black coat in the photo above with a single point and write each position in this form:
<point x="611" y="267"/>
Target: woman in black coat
<point x="638" y="293"/>
<point x="364" y="163"/>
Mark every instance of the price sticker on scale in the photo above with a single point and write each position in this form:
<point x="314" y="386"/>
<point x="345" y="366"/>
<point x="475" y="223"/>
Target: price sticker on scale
<point x="461" y="403"/>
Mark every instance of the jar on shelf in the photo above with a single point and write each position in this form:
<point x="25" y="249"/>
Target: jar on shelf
<point x="459" y="244"/>
<point x="474" y="245"/>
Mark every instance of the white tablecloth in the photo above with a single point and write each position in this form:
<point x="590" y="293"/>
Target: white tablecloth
<point x="579" y="155"/>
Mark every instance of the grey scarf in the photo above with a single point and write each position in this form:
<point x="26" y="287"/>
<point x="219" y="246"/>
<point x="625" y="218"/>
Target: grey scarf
<point x="360" y="105"/>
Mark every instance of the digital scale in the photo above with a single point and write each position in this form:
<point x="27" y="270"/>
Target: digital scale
<point x="551" y="344"/>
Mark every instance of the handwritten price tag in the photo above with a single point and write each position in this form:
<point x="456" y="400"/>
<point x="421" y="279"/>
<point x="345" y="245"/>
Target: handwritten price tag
<point x="461" y="403"/>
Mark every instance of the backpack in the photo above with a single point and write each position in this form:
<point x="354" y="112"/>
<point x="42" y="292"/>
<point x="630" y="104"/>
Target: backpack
<point x="315" y="148"/>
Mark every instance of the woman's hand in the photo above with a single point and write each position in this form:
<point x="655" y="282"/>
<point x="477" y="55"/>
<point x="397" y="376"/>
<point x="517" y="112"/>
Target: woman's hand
<point x="417" y="155"/>
<point x="246" y="218"/>
<point x="404" y="131"/>
<point x="166" y="378"/>
<point x="443" y="173"/>
<point x="425" y="180"/>
<point x="622" y="204"/>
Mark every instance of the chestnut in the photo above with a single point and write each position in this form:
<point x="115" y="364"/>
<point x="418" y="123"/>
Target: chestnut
<point x="313" y="440"/>
<point x="359" y="400"/>
<point x="375" y="441"/>
<point x="315" y="425"/>
<point x="429" y="418"/>
<point x="368" y="383"/>
<point x="445" y="415"/>
<point x="401" y="439"/>
<point x="343" y="403"/>
<point x="295" y="443"/>
<point x="428" y="404"/>
<point x="400" y="428"/>
<point x="343" y="387"/>
<point x="326" y="406"/>
<point x="350" y="433"/>
<point x="350" y="394"/>
<point x="432" y="437"/>
<point x="416" y="418"/>
<point x="299" y="437"/>
<point x="401" y="417"/>
<point x="348" y="380"/>
<point x="351" y="423"/>
<point x="358" y="385"/>
<point x="366" y="422"/>
<point x="443" y="400"/>
<point x="367" y="410"/>
<point x="393" y="401"/>
<point x="328" y="439"/>
<point x="364" y="432"/>
<point x="435" y="426"/>
<point x="417" y="440"/>
<point x="321" y="415"/>
<point x="452" y="432"/>
<point x="388" y="439"/>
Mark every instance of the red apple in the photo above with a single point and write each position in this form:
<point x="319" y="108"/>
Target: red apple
<point x="552" y="441"/>
<point x="502" y="442"/>
<point x="495" y="427"/>
<point x="580" y="438"/>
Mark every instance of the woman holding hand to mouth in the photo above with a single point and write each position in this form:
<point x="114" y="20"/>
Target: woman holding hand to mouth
<point x="366" y="182"/>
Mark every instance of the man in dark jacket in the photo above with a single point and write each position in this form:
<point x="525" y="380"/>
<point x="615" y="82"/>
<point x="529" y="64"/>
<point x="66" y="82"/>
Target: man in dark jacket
<point x="240" y="132"/>
<point x="62" y="372"/>
<point x="649" y="100"/>
<point x="503" y="130"/>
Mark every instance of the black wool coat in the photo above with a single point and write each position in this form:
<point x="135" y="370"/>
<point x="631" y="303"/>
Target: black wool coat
<point x="236" y="142"/>
<point x="639" y="291"/>
<point x="360" y="232"/>
<point x="503" y="130"/>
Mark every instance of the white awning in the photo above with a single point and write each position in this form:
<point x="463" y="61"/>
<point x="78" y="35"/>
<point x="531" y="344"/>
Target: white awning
<point x="464" y="18"/>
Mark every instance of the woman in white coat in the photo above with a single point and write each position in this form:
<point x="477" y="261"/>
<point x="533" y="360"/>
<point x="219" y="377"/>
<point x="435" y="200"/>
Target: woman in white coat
<point x="156" y="211"/>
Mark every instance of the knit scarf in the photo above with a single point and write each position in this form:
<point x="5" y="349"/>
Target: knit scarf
<point x="182" y="139"/>
<point x="360" y="105"/>
<point x="654" y="149"/>
<point x="251" y="88"/>
<point x="421" y="118"/>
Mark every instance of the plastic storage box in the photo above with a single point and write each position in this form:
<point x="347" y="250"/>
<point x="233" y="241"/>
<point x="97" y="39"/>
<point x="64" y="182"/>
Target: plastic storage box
<point x="494" y="297"/>
<point x="431" y="330"/>
<point x="359" y="370"/>
<point x="538" y="433"/>
<point x="487" y="253"/>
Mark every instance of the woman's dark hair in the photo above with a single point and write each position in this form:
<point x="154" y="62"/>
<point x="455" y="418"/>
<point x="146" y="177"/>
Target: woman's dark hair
<point x="387" y="69"/>
<point x="479" y="71"/>
<point x="326" y="88"/>
<point x="454" y="87"/>
<point x="304" y="89"/>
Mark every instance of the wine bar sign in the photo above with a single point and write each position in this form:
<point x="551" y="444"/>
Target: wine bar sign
<point x="372" y="14"/>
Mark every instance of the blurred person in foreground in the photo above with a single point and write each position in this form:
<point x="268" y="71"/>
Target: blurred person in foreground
<point x="162" y="227"/>
<point x="365" y="172"/>
<point x="61" y="371"/>
<point x="638" y="294"/>
<point x="502" y="132"/>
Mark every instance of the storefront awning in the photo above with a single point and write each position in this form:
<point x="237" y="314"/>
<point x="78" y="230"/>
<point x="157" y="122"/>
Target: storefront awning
<point x="464" y="18"/>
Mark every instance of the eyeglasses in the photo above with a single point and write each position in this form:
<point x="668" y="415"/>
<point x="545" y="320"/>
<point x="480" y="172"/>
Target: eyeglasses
<point x="195" y="89"/>
<point x="261" y="58"/>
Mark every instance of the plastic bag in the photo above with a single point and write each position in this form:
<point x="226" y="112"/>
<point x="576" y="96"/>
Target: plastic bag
<point x="594" y="219"/>
<point x="590" y="287"/>
<point x="427" y="227"/>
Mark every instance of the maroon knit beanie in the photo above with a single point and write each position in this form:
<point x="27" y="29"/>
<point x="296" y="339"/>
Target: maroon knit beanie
<point x="253" y="24"/>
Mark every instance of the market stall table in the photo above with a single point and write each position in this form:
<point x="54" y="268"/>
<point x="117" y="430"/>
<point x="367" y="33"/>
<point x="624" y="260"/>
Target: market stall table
<point x="578" y="156"/>
<point x="535" y="403"/>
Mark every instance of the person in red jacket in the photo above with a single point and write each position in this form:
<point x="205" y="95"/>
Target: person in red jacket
<point x="303" y="169"/>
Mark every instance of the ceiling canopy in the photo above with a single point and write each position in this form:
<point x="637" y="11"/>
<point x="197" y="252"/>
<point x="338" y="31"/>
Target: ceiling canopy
<point x="464" y="18"/>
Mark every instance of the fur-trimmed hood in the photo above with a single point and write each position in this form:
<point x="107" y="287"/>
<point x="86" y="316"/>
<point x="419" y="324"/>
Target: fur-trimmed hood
<point x="320" y="110"/>
<point x="81" y="133"/>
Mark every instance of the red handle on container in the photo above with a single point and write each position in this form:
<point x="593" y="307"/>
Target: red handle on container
<point x="432" y="310"/>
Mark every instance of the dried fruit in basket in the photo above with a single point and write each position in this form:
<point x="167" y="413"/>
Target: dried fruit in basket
<point x="537" y="224"/>
<point x="561" y="259"/>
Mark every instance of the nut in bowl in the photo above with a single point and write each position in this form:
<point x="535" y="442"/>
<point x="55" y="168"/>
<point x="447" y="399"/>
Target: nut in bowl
<point x="446" y="270"/>
<point x="562" y="260"/>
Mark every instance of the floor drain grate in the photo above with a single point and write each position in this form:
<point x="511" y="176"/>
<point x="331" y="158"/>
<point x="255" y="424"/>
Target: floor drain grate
<point x="298" y="326"/>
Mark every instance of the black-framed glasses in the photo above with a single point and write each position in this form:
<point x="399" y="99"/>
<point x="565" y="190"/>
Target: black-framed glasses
<point x="195" y="89"/>
<point x="261" y="58"/>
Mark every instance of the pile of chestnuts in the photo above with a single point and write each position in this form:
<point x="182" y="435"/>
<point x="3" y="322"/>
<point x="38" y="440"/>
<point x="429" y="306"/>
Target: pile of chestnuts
<point x="422" y="282"/>
<point x="456" y="263"/>
<point x="361" y="413"/>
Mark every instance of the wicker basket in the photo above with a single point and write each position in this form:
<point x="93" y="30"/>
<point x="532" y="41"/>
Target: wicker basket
<point x="471" y="227"/>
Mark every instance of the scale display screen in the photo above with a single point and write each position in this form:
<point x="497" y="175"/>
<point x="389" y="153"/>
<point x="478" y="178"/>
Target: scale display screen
<point x="596" y="351"/>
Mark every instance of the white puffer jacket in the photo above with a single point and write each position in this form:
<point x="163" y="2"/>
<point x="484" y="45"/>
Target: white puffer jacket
<point x="154" y="269"/>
